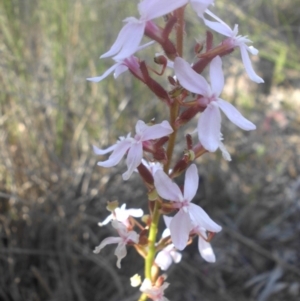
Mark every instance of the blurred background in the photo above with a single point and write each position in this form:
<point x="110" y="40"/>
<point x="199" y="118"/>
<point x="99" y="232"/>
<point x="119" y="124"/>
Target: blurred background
<point x="52" y="194"/>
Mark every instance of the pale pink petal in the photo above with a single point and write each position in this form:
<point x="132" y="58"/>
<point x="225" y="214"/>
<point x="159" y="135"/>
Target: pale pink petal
<point x="151" y="9"/>
<point x="107" y="241"/>
<point x="252" y="50"/>
<point x="134" y="38"/>
<point x="216" y="76"/>
<point x="189" y="79"/>
<point x="167" y="220"/>
<point x="134" y="159"/>
<point x="221" y="28"/>
<point x="199" y="6"/>
<point x="99" y="151"/>
<point x="248" y="66"/>
<point x="180" y="228"/>
<point x="201" y="218"/>
<point x="176" y="256"/>
<point x="206" y="250"/>
<point x="166" y="188"/>
<point x="118" y="153"/>
<point x="133" y="237"/>
<point x="106" y="221"/>
<point x="135" y="212"/>
<point x="191" y="183"/>
<point x="210" y="13"/>
<point x="157" y="131"/>
<point x="127" y="41"/>
<point x="105" y="74"/>
<point x="235" y="116"/>
<point x="140" y="127"/>
<point x="120" y="252"/>
<point x="119" y="70"/>
<point x="209" y="126"/>
<point x="120" y="227"/>
<point x="163" y="260"/>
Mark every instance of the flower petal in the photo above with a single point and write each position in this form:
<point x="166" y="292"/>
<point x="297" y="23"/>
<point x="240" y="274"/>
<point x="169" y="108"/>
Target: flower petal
<point x="166" y="188"/>
<point x="167" y="220"/>
<point x="180" y="229"/>
<point x="119" y="70"/>
<point x="221" y="28"/>
<point x="118" y="153"/>
<point x="151" y="9"/>
<point x="206" y="250"/>
<point x="163" y="260"/>
<point x="199" y="6"/>
<point x="105" y="74"/>
<point x="157" y="131"/>
<point x="127" y="41"/>
<point x="189" y="79"/>
<point x="216" y="76"/>
<point x="209" y="126"/>
<point x="191" y="182"/>
<point x="201" y="218"/>
<point x="135" y="212"/>
<point x="107" y="241"/>
<point x="106" y="221"/>
<point x="248" y="66"/>
<point x="235" y="116"/>
<point x="99" y="151"/>
<point x="176" y="256"/>
<point x="134" y="159"/>
<point x="120" y="252"/>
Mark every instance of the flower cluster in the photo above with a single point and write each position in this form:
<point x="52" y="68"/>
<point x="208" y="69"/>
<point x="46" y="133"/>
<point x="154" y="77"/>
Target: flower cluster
<point x="149" y="152"/>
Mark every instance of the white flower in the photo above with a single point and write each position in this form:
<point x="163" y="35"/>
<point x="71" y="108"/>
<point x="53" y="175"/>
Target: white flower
<point x="133" y="145"/>
<point x="131" y="34"/>
<point x="236" y="40"/>
<point x="181" y="223"/>
<point x="124" y="238"/>
<point x="121" y="215"/>
<point x="209" y="124"/>
<point x="153" y="292"/>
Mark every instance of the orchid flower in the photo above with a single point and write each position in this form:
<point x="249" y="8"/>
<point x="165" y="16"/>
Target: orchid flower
<point x="168" y="254"/>
<point x="131" y="34"/>
<point x="235" y="40"/>
<point x="133" y="145"/>
<point x="154" y="292"/>
<point x="124" y="238"/>
<point x="181" y="224"/>
<point x="209" y="124"/>
<point x="122" y="214"/>
<point x="131" y="62"/>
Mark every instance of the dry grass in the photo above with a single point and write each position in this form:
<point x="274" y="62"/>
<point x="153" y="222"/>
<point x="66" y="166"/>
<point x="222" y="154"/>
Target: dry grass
<point x="52" y="196"/>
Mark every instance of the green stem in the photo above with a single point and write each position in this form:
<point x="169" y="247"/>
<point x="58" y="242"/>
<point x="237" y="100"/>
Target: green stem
<point x="152" y="240"/>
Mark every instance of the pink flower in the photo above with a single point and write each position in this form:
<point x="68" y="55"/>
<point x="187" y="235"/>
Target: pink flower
<point x="235" y="40"/>
<point x="131" y="34"/>
<point x="182" y="222"/>
<point x="209" y="124"/>
<point x="154" y="292"/>
<point x="122" y="65"/>
<point x="133" y="145"/>
<point x="125" y="238"/>
<point x="121" y="215"/>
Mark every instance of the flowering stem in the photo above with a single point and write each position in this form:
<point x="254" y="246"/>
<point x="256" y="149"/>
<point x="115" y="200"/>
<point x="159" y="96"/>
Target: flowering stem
<point x="152" y="240"/>
<point x="174" y="109"/>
